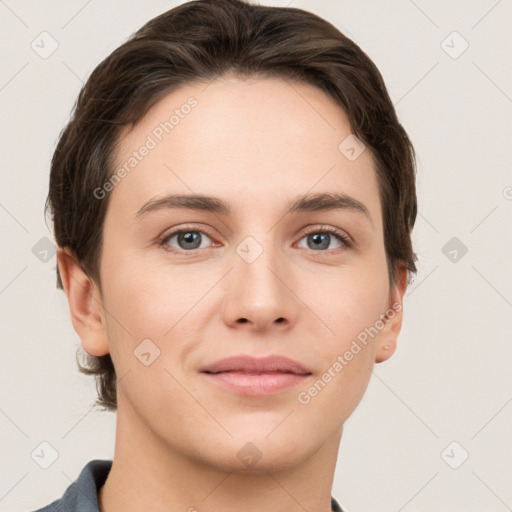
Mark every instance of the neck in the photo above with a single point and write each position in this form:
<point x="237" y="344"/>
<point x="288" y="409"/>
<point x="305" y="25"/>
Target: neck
<point x="148" y="474"/>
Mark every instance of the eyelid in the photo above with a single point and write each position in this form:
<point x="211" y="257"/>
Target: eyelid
<point x="162" y="239"/>
<point x="325" y="228"/>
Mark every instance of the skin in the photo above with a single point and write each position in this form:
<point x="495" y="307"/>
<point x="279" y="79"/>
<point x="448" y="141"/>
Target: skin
<point x="256" y="143"/>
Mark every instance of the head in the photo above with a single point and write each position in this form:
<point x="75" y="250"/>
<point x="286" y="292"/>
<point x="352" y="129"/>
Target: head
<point x="257" y="106"/>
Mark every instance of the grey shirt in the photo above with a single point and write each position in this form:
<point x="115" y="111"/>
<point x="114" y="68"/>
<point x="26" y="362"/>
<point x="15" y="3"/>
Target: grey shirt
<point x="82" y="495"/>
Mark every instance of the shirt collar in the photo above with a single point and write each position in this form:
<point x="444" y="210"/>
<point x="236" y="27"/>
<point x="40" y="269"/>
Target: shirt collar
<point x="82" y="495"/>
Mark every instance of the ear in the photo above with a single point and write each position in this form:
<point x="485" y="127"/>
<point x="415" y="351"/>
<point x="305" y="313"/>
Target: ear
<point x="388" y="336"/>
<point x="85" y="303"/>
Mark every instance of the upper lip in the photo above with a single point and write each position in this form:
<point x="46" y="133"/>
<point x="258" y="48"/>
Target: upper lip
<point x="250" y="364"/>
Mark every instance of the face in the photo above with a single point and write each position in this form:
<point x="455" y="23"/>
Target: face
<point x="186" y="287"/>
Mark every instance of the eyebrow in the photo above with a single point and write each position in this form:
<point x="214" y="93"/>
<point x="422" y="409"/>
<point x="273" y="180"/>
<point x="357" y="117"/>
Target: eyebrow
<point x="305" y="203"/>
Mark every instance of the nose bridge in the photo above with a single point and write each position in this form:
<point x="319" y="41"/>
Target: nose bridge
<point x="258" y="292"/>
<point x="258" y="258"/>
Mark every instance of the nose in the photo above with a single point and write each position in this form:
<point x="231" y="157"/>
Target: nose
<point x="260" y="286"/>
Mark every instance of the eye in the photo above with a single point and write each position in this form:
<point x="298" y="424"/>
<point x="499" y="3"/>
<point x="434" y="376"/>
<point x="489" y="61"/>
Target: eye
<point x="187" y="239"/>
<point x="191" y="238"/>
<point x="318" y="239"/>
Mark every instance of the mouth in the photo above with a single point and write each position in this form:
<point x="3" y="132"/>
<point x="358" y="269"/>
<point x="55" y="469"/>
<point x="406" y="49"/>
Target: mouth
<point x="250" y="376"/>
<point x="256" y="384"/>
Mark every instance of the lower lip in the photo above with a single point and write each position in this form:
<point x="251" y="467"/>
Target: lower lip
<point x="261" y="384"/>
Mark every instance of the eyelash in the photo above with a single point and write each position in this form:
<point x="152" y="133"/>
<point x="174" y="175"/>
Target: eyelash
<point x="309" y="230"/>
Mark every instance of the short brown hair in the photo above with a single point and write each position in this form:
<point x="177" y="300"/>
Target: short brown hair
<point x="198" y="41"/>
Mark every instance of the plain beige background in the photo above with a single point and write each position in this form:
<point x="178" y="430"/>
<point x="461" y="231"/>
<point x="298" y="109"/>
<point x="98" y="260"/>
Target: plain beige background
<point x="447" y="391"/>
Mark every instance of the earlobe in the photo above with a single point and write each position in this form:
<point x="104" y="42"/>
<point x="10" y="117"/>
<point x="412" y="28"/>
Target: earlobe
<point x="84" y="303"/>
<point x="384" y="352"/>
<point x="388" y="337"/>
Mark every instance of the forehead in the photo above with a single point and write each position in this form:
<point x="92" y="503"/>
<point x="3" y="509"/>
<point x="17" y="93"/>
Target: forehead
<point x="253" y="141"/>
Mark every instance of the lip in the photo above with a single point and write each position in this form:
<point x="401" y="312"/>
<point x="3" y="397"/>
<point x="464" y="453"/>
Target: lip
<point x="251" y="364"/>
<point x="252" y="376"/>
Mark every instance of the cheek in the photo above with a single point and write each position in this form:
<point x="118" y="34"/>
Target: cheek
<point x="350" y="302"/>
<point x="352" y="309"/>
<point x="331" y="398"/>
<point x="149" y="315"/>
<point x="148" y="299"/>
<point x="153" y="303"/>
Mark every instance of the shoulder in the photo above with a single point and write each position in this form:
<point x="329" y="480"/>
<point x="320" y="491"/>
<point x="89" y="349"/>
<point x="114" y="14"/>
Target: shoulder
<point x="82" y="494"/>
<point x="335" y="507"/>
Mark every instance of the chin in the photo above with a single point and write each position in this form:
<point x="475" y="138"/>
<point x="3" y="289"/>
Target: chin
<point x="255" y="454"/>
